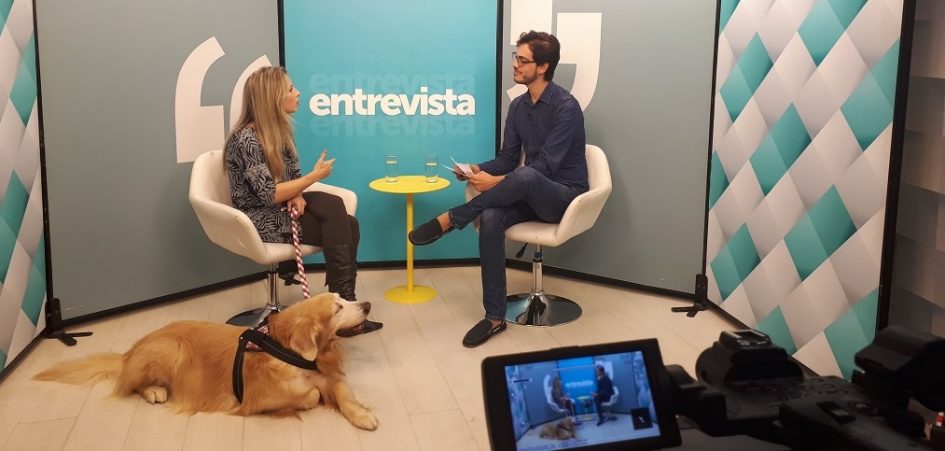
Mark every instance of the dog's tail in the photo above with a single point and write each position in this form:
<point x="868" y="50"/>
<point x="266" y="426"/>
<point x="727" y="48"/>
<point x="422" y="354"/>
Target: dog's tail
<point x="86" y="371"/>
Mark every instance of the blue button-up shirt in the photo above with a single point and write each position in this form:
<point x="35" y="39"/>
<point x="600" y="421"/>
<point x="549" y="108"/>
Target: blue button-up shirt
<point x="551" y="132"/>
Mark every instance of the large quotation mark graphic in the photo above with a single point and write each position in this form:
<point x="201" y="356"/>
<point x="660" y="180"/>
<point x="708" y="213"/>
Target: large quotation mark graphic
<point x="579" y="34"/>
<point x="200" y="128"/>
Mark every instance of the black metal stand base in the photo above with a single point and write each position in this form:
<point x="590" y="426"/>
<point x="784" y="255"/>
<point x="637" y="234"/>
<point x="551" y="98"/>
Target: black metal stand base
<point x="54" y="328"/>
<point x="702" y="298"/>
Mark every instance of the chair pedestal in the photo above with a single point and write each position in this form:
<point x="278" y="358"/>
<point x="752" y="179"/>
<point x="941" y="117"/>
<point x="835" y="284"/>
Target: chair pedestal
<point x="256" y="316"/>
<point x="538" y="308"/>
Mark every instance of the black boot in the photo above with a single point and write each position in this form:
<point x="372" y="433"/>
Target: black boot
<point x="341" y="271"/>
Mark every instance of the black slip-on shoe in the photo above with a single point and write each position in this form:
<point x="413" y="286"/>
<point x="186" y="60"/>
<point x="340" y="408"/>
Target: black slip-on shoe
<point x="365" y="327"/>
<point x="427" y="233"/>
<point x="481" y="332"/>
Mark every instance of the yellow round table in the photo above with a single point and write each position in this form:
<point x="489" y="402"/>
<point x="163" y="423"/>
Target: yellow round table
<point x="409" y="185"/>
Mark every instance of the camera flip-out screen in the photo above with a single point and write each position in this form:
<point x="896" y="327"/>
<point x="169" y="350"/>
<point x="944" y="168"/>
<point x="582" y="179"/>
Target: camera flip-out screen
<point x="594" y="397"/>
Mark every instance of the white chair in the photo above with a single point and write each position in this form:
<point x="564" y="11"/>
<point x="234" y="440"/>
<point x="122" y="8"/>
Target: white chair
<point x="232" y="230"/>
<point x="609" y="371"/>
<point x="538" y="308"/>
<point x="551" y="400"/>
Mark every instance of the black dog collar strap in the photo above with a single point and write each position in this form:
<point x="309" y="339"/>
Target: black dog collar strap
<point x="271" y="347"/>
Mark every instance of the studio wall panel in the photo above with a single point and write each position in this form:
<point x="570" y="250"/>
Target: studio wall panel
<point x="408" y="78"/>
<point x="803" y="134"/>
<point x="22" y="246"/>
<point x="642" y="72"/>
<point x="918" y="296"/>
<point x="132" y="92"/>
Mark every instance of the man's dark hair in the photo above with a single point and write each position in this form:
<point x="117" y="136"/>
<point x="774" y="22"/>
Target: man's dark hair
<point x="545" y="49"/>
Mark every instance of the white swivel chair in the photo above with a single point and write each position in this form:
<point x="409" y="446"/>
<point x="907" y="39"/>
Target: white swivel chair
<point x="538" y="308"/>
<point x="551" y="400"/>
<point x="232" y="230"/>
<point x="609" y="371"/>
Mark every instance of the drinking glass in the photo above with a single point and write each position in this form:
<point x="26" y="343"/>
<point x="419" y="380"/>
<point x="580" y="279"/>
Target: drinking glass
<point x="430" y="164"/>
<point x="390" y="168"/>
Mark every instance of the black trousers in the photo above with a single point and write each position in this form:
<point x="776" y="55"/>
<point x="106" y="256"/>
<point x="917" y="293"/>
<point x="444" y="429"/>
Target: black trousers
<point x="326" y="223"/>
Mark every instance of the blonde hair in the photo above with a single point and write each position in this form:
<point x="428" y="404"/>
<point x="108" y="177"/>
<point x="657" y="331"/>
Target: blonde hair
<point x="263" y="96"/>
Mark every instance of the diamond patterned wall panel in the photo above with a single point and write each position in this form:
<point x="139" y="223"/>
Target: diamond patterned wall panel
<point x="22" y="255"/>
<point x="918" y="292"/>
<point x="800" y="158"/>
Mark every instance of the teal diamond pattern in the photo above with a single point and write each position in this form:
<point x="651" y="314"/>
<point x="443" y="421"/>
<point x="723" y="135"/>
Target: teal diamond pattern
<point x="35" y="293"/>
<point x="775" y="326"/>
<point x="846" y="10"/>
<point x="852" y="332"/>
<point x="755" y="63"/>
<point x="819" y="233"/>
<point x="3" y="358"/>
<point x="736" y="261"/>
<point x="14" y="204"/>
<point x="821" y="30"/>
<point x="5" y="6"/>
<point x="735" y="93"/>
<point x="725" y="12"/>
<point x="24" y="87"/>
<point x="718" y="181"/>
<point x="780" y="149"/>
<point x="752" y="68"/>
<point x="886" y="71"/>
<point x="767" y="164"/>
<point x="804" y="247"/>
<point x="867" y="111"/>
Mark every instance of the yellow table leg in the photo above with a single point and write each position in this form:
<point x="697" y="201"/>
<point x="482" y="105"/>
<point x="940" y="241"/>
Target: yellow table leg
<point x="410" y="293"/>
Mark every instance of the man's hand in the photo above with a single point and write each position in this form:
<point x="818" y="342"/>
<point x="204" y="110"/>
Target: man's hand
<point x="459" y="172"/>
<point x="483" y="181"/>
<point x="322" y="168"/>
<point x="298" y="202"/>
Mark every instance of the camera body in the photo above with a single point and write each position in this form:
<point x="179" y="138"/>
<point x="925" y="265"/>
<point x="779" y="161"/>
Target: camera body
<point x="747" y="385"/>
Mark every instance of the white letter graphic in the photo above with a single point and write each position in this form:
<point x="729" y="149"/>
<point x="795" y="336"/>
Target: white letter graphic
<point x="199" y="128"/>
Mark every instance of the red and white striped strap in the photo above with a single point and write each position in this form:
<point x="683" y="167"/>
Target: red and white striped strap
<point x="298" y="251"/>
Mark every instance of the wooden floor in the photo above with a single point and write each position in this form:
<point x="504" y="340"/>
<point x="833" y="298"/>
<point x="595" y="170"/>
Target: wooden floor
<point x="421" y="382"/>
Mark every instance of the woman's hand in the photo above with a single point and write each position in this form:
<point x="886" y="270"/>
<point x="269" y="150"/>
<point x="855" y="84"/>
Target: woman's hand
<point x="322" y="168"/>
<point x="298" y="202"/>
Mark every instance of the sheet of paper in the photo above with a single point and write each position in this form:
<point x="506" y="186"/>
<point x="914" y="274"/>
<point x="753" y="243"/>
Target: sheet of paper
<point x="462" y="166"/>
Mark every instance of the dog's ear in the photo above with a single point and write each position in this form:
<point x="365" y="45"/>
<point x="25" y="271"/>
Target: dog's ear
<point x="304" y="340"/>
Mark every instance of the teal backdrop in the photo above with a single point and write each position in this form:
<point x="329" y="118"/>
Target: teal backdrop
<point x="419" y="54"/>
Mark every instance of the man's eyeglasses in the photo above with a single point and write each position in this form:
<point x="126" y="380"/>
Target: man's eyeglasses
<point x="520" y="60"/>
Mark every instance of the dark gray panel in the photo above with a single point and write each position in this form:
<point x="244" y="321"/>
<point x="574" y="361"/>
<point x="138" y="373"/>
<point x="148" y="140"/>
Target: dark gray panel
<point x="121" y="227"/>
<point x="650" y="115"/>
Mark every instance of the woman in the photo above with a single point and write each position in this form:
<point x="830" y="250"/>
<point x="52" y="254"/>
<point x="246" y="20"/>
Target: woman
<point x="265" y="182"/>
<point x="560" y="397"/>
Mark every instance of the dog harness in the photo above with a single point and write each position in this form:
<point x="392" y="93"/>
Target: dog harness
<point x="258" y="340"/>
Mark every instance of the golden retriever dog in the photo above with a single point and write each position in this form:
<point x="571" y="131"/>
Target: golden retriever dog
<point x="190" y="364"/>
<point x="560" y="430"/>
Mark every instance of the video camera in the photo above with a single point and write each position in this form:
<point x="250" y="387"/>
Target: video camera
<point x="749" y="386"/>
<point x="745" y="385"/>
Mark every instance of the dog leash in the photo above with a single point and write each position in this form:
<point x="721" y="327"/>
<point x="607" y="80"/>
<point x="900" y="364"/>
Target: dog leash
<point x="270" y="346"/>
<point x="298" y="251"/>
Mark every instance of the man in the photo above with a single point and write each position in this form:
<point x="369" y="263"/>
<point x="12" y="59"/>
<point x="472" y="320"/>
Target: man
<point x="547" y="124"/>
<point x="605" y="390"/>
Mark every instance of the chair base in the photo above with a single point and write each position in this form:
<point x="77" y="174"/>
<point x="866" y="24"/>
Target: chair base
<point x="540" y="309"/>
<point x="252" y="318"/>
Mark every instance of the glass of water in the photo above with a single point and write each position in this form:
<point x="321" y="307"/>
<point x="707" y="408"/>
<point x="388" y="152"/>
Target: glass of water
<point x="390" y="168"/>
<point x="430" y="163"/>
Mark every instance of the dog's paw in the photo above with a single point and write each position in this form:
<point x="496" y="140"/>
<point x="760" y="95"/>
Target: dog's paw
<point x="364" y="419"/>
<point x="154" y="394"/>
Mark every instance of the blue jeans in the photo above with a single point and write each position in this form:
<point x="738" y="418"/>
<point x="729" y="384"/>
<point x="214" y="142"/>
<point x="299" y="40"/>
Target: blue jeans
<point x="524" y="195"/>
